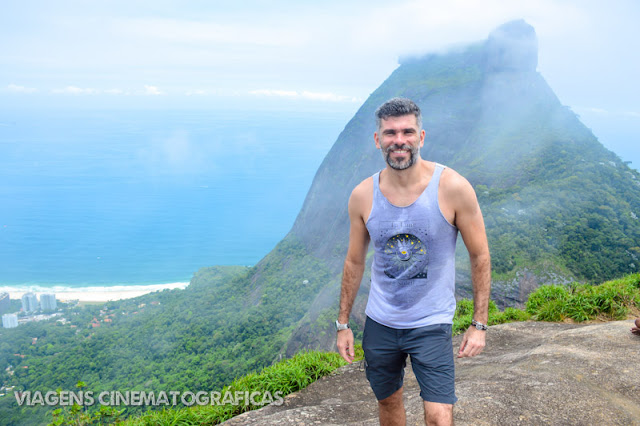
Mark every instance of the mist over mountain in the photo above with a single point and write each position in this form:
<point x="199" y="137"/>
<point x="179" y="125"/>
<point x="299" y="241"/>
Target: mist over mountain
<point x="558" y="207"/>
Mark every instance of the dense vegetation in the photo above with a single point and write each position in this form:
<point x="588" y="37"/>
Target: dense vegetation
<point x="558" y="207"/>
<point x="611" y="300"/>
<point x="199" y="338"/>
<point x="280" y="379"/>
<point x="546" y="215"/>
<point x="274" y="382"/>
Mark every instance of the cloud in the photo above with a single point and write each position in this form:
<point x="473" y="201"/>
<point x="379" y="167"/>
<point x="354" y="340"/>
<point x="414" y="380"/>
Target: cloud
<point x="152" y="90"/>
<point x="206" y="32"/>
<point x="196" y="92"/>
<point x="73" y="90"/>
<point x="332" y="97"/>
<point x="609" y="113"/>
<point x="20" y="89"/>
<point x="115" y="92"/>
<point x="174" y="153"/>
<point x="332" y="49"/>
<point x="593" y="110"/>
<point x="427" y="26"/>
<point x="280" y="93"/>
<point x="314" y="96"/>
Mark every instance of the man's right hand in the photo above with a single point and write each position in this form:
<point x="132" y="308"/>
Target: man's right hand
<point x="345" y="345"/>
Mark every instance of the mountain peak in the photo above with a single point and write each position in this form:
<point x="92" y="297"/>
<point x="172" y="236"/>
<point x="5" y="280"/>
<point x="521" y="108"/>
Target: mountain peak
<point x="558" y="206"/>
<point x="512" y="47"/>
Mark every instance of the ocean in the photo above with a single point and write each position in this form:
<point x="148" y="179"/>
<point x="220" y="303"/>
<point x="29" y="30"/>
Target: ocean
<point x="116" y="197"/>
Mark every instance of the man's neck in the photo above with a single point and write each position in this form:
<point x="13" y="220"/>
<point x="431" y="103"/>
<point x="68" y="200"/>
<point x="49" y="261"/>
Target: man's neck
<point x="408" y="177"/>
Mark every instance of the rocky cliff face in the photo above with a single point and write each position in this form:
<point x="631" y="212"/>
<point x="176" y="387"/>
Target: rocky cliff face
<point x="558" y="206"/>
<point x="529" y="373"/>
<point x="512" y="47"/>
<point x="457" y="93"/>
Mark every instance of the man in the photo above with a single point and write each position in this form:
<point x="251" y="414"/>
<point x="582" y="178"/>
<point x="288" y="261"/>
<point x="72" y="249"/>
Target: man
<point x="412" y="210"/>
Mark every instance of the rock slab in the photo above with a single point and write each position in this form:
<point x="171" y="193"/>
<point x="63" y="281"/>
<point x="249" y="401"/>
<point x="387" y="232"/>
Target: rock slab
<point x="530" y="373"/>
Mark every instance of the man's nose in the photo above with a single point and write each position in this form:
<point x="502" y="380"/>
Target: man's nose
<point x="399" y="138"/>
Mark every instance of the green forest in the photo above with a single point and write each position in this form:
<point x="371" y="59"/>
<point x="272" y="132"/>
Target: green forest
<point x="612" y="300"/>
<point x="559" y="208"/>
<point x="199" y="338"/>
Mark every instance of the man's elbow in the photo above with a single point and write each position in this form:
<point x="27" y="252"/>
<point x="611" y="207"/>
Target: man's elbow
<point x="354" y="264"/>
<point x="480" y="259"/>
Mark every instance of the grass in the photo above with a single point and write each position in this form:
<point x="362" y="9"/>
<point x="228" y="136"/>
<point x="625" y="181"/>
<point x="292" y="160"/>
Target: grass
<point x="278" y="380"/>
<point x="609" y="301"/>
<point x="464" y="315"/>
<point x="612" y="300"/>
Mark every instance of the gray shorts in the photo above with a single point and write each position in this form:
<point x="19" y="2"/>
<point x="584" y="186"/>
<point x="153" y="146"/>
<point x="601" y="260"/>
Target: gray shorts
<point x="431" y="350"/>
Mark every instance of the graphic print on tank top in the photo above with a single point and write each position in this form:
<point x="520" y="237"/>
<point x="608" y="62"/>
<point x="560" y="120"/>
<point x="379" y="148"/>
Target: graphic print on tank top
<point x="405" y="254"/>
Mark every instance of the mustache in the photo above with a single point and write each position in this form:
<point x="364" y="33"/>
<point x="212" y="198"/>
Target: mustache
<point x="396" y="146"/>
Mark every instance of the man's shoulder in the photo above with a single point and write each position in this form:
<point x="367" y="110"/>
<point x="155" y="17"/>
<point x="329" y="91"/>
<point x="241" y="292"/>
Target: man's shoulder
<point x="362" y="194"/>
<point x="453" y="182"/>
<point x="456" y="191"/>
<point x="363" y="188"/>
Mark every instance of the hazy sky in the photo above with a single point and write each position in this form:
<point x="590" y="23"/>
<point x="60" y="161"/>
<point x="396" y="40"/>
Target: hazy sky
<point x="329" y="54"/>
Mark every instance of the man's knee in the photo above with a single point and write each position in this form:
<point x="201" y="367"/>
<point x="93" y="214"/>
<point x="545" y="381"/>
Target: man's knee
<point x="439" y="414"/>
<point x="391" y="410"/>
<point x="392" y="401"/>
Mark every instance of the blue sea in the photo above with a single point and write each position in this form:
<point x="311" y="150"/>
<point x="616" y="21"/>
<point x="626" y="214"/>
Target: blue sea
<point x="105" y="198"/>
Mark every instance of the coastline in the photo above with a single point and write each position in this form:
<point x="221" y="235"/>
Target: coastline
<point x="92" y="293"/>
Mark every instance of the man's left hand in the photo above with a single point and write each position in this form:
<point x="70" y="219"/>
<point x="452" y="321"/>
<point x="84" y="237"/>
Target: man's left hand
<point x="472" y="342"/>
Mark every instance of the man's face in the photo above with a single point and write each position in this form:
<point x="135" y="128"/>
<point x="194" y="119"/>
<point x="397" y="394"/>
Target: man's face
<point x="400" y="140"/>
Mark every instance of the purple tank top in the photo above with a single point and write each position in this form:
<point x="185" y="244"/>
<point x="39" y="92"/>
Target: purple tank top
<point x="413" y="270"/>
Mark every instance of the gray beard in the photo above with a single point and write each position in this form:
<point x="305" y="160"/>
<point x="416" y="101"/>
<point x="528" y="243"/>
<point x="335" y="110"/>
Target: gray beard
<point x="396" y="165"/>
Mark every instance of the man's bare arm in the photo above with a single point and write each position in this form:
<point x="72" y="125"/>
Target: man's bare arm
<point x="468" y="219"/>
<point x="351" y="278"/>
<point x="353" y="268"/>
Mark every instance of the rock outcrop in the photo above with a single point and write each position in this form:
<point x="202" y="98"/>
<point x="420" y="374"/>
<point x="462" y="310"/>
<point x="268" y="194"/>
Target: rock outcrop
<point x="558" y="206"/>
<point x="530" y="373"/>
<point x="512" y="47"/>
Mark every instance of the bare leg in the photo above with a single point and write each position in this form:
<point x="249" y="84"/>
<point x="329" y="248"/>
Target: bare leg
<point x="438" y="414"/>
<point x="391" y="410"/>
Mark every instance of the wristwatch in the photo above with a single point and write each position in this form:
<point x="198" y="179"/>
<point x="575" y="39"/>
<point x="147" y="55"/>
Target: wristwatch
<point x="479" y="325"/>
<point x="340" y="327"/>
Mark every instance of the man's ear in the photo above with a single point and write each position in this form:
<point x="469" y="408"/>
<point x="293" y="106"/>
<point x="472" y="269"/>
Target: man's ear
<point x="375" y="138"/>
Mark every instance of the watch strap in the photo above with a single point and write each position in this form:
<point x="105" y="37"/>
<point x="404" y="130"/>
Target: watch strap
<point x="340" y="327"/>
<point x="479" y="325"/>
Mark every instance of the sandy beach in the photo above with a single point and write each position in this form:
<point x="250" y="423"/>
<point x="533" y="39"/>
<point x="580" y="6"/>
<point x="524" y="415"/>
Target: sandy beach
<point x="97" y="293"/>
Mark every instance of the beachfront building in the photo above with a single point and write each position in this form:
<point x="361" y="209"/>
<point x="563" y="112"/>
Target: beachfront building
<point x="9" y="320"/>
<point x="48" y="301"/>
<point x="4" y="302"/>
<point x="29" y="302"/>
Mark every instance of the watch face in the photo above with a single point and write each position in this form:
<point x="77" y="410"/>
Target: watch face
<point x="479" y="326"/>
<point x="341" y="327"/>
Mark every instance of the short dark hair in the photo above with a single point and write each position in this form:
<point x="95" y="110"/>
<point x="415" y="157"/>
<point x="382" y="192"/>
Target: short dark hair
<point x="397" y="107"/>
